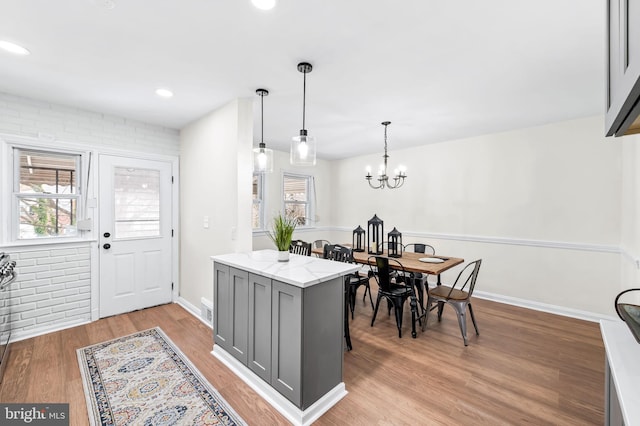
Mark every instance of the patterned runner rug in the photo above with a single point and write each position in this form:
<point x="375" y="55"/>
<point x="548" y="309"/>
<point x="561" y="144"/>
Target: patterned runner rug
<point x="144" y="379"/>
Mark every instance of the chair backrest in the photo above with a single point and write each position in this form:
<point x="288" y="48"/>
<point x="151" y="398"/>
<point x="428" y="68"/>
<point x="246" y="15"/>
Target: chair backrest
<point x="420" y="248"/>
<point x="466" y="280"/>
<point x="300" y="247"/>
<point x="320" y="243"/>
<point x="382" y="270"/>
<point x="338" y="253"/>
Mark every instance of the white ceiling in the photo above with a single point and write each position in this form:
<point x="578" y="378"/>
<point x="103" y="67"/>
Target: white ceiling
<point x="438" y="70"/>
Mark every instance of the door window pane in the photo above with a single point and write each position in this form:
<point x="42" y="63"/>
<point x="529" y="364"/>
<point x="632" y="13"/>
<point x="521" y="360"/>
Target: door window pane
<point x="136" y="202"/>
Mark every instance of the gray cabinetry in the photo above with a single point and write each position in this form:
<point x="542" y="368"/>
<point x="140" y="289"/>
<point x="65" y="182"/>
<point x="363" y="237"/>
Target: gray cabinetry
<point x="286" y="334"/>
<point x="231" y="313"/>
<point x="623" y="67"/>
<point x="260" y="326"/>
<point x="289" y="336"/>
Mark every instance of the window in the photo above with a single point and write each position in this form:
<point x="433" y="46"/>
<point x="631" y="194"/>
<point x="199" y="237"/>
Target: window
<point x="297" y="200"/>
<point x="46" y="193"/>
<point x="136" y="203"/>
<point x="257" y="214"/>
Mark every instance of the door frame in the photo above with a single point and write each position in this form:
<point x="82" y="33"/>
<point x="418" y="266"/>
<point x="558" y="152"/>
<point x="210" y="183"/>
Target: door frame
<point x="175" y="220"/>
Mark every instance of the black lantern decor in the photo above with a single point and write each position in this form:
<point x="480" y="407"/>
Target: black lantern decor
<point x="358" y="239"/>
<point x="395" y="243"/>
<point x="375" y="233"/>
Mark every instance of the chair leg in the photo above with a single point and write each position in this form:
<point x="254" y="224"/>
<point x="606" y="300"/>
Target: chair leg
<point x="426" y="315"/>
<point x="347" y="334"/>
<point x="398" y="308"/>
<point x="352" y="299"/>
<point x="460" y="308"/>
<point x="375" y="310"/>
<point x="440" y="308"/>
<point x="473" y="319"/>
<point x="368" y="287"/>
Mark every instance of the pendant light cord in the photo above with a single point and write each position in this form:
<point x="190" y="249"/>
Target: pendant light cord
<point x="304" y="96"/>
<point x="262" y="118"/>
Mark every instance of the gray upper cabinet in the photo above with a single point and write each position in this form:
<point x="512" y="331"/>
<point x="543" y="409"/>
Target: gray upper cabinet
<point x="623" y="68"/>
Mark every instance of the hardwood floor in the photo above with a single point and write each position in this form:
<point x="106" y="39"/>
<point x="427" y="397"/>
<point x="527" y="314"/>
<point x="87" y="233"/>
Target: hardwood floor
<point x="526" y="367"/>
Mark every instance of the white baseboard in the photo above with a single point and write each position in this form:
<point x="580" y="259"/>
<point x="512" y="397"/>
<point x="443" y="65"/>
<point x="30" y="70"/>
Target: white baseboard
<point x="18" y="335"/>
<point x="192" y="309"/>
<point x="544" y="307"/>
<point x="273" y="397"/>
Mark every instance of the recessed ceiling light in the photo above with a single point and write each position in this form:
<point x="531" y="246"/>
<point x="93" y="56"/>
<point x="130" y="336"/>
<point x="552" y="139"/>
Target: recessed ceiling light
<point x="13" y="48"/>
<point x="264" y="4"/>
<point x="164" y="93"/>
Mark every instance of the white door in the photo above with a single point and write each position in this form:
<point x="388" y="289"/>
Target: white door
<point x="135" y="234"/>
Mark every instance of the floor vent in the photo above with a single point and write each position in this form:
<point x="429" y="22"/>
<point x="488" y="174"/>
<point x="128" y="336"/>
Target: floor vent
<point x="206" y="311"/>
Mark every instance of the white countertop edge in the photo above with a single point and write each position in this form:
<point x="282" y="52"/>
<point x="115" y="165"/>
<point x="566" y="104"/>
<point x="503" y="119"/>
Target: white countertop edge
<point x="623" y="354"/>
<point x="300" y="271"/>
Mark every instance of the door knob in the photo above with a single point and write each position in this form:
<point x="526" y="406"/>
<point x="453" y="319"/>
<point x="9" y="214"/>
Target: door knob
<point x="107" y="246"/>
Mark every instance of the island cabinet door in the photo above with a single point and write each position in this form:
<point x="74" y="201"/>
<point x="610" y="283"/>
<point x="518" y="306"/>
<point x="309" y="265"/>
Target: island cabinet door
<point x="286" y="343"/>
<point x="222" y="308"/>
<point x="239" y="303"/>
<point x="260" y="326"/>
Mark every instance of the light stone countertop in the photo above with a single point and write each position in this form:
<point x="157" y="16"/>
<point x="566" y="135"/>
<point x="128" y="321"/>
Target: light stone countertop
<point x="300" y="271"/>
<point x="623" y="353"/>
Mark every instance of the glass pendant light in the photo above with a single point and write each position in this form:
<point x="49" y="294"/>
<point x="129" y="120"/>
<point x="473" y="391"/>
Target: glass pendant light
<point x="303" y="147"/>
<point x="262" y="156"/>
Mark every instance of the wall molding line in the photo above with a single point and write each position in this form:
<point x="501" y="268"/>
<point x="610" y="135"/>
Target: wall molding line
<point x="544" y="307"/>
<point x="565" y="245"/>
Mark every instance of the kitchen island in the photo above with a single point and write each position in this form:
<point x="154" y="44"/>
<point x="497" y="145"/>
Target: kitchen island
<point x="279" y="327"/>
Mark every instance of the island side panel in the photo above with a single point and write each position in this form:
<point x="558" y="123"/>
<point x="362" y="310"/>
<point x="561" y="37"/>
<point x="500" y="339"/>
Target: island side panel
<point x="239" y="314"/>
<point x="260" y="326"/>
<point x="222" y="307"/>
<point x="286" y="345"/>
<point x="323" y="339"/>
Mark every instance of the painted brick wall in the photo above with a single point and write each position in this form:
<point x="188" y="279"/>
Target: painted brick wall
<point x="29" y="117"/>
<point x="54" y="286"/>
<point x="53" y="289"/>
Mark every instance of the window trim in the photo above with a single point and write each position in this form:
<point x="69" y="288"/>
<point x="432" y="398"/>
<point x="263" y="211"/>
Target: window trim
<point x="310" y="204"/>
<point x="9" y="232"/>
<point x="261" y="202"/>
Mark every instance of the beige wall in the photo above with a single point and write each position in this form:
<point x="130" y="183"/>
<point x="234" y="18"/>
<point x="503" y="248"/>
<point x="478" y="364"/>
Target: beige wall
<point x="540" y="206"/>
<point x="630" y="221"/>
<point x="273" y="199"/>
<point x="215" y="181"/>
<point x="551" y="210"/>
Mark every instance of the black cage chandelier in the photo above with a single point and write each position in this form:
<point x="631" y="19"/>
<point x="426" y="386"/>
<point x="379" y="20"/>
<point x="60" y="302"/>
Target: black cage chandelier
<point x="383" y="179"/>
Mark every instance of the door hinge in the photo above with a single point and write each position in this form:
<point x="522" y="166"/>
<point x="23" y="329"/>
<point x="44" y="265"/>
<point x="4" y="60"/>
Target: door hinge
<point x="172" y="233"/>
<point x="171" y="179"/>
<point x="171" y="286"/>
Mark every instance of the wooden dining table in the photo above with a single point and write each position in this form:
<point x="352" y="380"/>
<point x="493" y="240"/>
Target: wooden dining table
<point x="411" y="262"/>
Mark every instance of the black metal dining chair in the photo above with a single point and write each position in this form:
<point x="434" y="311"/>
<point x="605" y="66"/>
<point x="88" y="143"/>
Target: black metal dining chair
<point x="351" y="283"/>
<point x="420" y="280"/>
<point x="300" y="247"/>
<point x="345" y="254"/>
<point x="392" y="286"/>
<point x="458" y="296"/>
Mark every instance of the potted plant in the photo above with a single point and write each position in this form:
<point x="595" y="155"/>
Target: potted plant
<point x="281" y="234"/>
